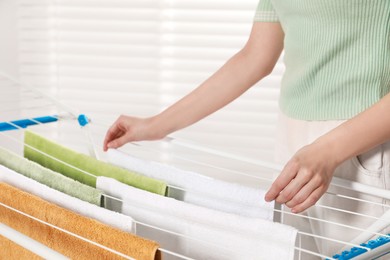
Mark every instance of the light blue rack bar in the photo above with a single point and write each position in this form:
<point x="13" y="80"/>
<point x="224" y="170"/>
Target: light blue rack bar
<point x="24" y="123"/>
<point x="355" y="251"/>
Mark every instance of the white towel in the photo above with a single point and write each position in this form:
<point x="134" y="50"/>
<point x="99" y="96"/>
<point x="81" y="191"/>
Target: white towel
<point x="86" y="209"/>
<point x="237" y="237"/>
<point x="199" y="189"/>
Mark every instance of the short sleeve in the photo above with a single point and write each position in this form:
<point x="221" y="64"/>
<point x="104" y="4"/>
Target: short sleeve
<point x="265" y="12"/>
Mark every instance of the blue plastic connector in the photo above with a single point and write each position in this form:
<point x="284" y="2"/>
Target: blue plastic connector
<point x="24" y="123"/>
<point x="356" y="251"/>
<point x="83" y="120"/>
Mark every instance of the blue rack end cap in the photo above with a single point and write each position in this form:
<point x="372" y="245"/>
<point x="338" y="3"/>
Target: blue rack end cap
<point x="83" y="120"/>
<point x="355" y="251"/>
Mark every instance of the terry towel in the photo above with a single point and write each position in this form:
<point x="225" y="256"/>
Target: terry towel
<point x="11" y="250"/>
<point x="200" y="190"/>
<point x="233" y="236"/>
<point x="78" y="206"/>
<point x="63" y="243"/>
<point x="50" y="178"/>
<point x="85" y="163"/>
<point x="28" y="244"/>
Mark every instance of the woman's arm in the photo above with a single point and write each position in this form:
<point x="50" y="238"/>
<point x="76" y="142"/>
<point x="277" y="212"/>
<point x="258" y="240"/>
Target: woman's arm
<point x="255" y="61"/>
<point x="307" y="175"/>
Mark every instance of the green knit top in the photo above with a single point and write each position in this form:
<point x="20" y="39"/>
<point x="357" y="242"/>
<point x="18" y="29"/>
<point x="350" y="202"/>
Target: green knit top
<point x="337" y="55"/>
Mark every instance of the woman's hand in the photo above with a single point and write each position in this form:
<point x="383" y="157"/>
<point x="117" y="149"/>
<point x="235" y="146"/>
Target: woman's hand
<point x="307" y="175"/>
<point x="127" y="129"/>
<point x="305" y="178"/>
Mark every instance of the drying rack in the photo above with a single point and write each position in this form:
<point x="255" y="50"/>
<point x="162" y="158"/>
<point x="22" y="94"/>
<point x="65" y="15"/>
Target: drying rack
<point x="20" y="112"/>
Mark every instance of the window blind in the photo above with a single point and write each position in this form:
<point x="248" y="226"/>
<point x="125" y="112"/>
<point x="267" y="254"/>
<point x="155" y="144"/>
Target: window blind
<point x="137" y="57"/>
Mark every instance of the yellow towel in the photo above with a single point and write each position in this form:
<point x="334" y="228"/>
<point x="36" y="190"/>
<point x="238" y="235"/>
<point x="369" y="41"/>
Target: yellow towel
<point x="10" y="250"/>
<point x="75" y="248"/>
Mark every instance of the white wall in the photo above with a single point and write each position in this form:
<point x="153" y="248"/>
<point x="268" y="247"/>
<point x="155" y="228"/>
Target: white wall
<point x="8" y="37"/>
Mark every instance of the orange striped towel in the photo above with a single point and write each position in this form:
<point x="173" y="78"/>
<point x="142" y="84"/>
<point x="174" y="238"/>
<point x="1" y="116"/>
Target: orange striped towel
<point x="68" y="245"/>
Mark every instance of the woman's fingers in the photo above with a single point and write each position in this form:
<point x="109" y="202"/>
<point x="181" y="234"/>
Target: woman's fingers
<point x="295" y="185"/>
<point x="302" y="194"/>
<point x="304" y="180"/>
<point x="285" y="177"/>
<point x="114" y="136"/>
<point x="310" y="200"/>
<point x="304" y="190"/>
<point x="110" y="135"/>
<point x="118" y="142"/>
<point x="128" y="129"/>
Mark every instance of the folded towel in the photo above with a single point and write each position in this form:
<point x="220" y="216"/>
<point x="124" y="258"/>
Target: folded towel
<point x="232" y="236"/>
<point x="50" y="178"/>
<point x="63" y="243"/>
<point x="85" y="163"/>
<point x="11" y="250"/>
<point x="78" y="206"/>
<point x="200" y="190"/>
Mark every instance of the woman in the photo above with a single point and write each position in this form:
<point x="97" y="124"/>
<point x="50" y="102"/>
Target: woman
<point x="334" y="101"/>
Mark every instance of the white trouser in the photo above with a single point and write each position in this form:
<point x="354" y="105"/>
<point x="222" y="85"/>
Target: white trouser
<point x="371" y="168"/>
